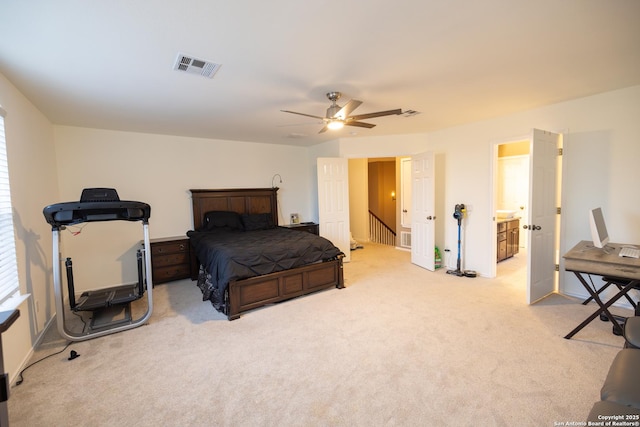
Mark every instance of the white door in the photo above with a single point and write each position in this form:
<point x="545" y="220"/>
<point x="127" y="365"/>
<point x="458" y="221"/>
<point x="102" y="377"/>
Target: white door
<point x="423" y="210"/>
<point x="541" y="222"/>
<point x="333" y="202"/>
<point x="405" y="195"/>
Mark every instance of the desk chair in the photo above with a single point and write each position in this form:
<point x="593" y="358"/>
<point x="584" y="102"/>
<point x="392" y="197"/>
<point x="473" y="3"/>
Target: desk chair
<point x="620" y="393"/>
<point x="632" y="332"/>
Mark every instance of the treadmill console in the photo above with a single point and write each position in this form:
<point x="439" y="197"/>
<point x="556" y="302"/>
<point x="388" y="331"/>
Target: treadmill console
<point x="99" y="195"/>
<point x="96" y="204"/>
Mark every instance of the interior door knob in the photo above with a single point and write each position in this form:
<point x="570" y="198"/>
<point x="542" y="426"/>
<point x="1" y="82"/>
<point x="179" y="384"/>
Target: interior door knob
<point x="429" y="217"/>
<point x="526" y="227"/>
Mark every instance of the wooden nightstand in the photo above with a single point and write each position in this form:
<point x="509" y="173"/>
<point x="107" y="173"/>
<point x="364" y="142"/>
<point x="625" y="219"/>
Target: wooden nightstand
<point x="170" y="259"/>
<point x="309" y="227"/>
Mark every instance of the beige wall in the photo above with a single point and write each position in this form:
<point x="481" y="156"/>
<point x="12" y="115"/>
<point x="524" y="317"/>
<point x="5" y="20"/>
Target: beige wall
<point x="33" y="177"/>
<point x="160" y="170"/>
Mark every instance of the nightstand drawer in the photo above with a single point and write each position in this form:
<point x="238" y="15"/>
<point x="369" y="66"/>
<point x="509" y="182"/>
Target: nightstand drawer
<point x="171" y="259"/>
<point x="169" y="247"/>
<point x="172" y="272"/>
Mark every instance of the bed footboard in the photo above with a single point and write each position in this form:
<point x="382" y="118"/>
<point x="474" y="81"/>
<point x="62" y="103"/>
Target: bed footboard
<point x="255" y="292"/>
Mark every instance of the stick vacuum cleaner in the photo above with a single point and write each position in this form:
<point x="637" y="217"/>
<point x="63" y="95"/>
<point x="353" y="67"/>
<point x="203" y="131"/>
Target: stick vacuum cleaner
<point x="458" y="214"/>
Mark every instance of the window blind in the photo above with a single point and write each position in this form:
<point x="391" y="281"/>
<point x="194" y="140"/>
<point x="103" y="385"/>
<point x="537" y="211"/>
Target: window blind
<point x="8" y="269"/>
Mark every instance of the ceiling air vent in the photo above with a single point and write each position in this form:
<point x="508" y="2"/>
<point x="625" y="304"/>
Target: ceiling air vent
<point x="191" y="65"/>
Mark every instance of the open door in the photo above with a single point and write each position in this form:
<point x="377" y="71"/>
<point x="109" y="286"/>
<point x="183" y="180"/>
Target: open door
<point x="423" y="210"/>
<point x="541" y="222"/>
<point x="333" y="202"/>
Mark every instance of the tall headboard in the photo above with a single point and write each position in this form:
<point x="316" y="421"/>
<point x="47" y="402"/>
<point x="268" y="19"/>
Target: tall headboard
<point x="241" y="200"/>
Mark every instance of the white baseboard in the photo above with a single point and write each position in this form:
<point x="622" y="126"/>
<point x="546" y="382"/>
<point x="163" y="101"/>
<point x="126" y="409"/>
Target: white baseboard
<point x="14" y="375"/>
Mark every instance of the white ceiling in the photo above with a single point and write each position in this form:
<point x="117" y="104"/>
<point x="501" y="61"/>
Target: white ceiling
<point x="109" y="64"/>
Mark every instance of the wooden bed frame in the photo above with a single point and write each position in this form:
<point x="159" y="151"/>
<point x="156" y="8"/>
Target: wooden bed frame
<point x="248" y="294"/>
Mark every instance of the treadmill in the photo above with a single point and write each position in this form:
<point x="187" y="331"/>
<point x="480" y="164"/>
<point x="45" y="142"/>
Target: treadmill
<point x="110" y="307"/>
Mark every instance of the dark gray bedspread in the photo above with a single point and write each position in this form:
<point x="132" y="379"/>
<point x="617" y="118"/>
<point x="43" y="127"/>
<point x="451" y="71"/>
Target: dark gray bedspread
<point x="234" y="255"/>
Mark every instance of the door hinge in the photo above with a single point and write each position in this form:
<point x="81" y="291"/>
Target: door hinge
<point x="560" y="151"/>
<point x="558" y="210"/>
<point x="557" y="267"/>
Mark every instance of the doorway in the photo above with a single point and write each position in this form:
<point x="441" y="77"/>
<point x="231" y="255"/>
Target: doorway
<point x="512" y="192"/>
<point x="542" y="223"/>
<point x="511" y="195"/>
<point x="372" y="192"/>
<point x="381" y="190"/>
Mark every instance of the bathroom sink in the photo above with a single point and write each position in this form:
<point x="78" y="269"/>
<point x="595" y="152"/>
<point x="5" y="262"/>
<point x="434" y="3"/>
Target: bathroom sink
<point x="505" y="214"/>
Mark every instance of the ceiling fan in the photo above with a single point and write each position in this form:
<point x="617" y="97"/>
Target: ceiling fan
<point x="338" y="116"/>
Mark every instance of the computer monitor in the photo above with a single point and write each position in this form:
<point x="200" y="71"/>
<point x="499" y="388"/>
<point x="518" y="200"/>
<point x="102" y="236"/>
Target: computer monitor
<point x="598" y="228"/>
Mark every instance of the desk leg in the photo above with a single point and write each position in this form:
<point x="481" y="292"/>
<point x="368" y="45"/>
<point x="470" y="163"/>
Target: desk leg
<point x="603" y="307"/>
<point x="619" y="286"/>
<point x="599" y="291"/>
<point x="6" y="320"/>
<point x="4" y="411"/>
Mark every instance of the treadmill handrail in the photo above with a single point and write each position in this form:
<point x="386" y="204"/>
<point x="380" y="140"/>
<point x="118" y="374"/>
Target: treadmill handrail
<point x="69" y="213"/>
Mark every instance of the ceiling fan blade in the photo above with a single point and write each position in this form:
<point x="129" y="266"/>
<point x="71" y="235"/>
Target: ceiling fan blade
<point x="324" y="129"/>
<point x="377" y="114"/>
<point x="303" y="123"/>
<point x="359" y="124"/>
<point x="303" y="114"/>
<point x="344" y="112"/>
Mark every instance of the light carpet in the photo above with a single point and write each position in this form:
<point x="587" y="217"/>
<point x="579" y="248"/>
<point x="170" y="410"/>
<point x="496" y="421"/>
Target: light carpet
<point x="399" y="346"/>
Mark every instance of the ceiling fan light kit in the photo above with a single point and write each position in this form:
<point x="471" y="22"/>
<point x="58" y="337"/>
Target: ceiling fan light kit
<point x="337" y="117"/>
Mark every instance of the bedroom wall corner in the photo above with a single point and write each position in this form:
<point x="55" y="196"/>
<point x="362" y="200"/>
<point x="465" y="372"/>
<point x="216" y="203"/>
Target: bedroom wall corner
<point x="34" y="184"/>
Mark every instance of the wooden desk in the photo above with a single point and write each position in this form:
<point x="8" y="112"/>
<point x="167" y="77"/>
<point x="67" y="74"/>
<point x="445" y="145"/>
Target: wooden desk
<point x="584" y="259"/>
